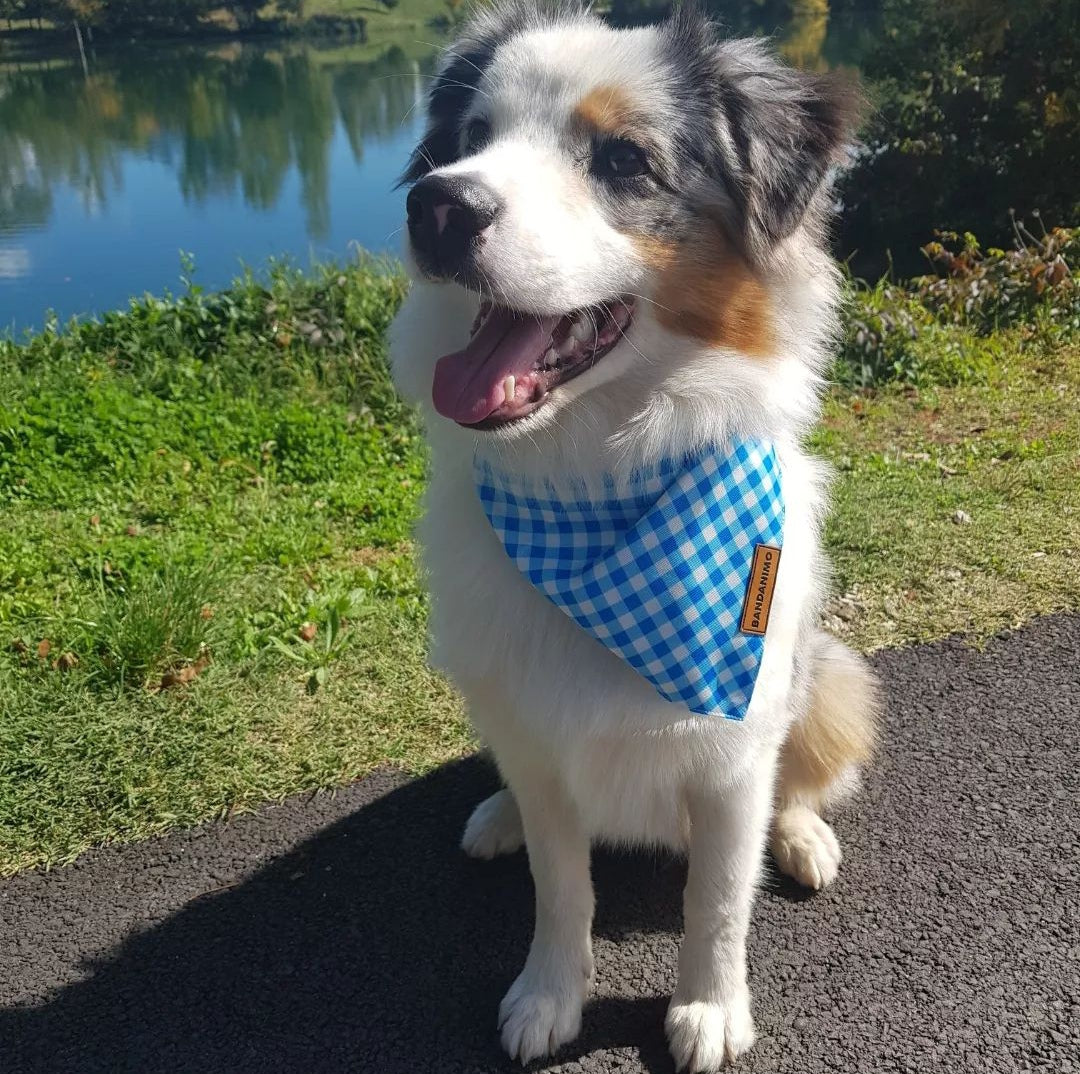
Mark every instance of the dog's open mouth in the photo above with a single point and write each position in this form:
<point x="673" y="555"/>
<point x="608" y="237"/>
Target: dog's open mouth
<point x="514" y="360"/>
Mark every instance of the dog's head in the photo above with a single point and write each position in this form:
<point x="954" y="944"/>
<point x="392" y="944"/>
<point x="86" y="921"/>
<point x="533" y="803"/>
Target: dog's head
<point x="581" y="179"/>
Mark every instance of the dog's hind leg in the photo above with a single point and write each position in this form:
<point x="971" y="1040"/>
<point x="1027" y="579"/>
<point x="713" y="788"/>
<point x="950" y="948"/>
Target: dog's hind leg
<point x="820" y="760"/>
<point x="494" y="827"/>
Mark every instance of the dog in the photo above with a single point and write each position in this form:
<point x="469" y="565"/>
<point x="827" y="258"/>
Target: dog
<point x="617" y="245"/>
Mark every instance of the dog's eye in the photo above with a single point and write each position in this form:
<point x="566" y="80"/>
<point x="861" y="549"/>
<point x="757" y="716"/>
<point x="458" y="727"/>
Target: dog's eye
<point x="477" y="134"/>
<point x="619" y="160"/>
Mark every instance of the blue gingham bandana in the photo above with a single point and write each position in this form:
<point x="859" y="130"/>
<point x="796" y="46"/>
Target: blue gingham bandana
<point x="660" y="573"/>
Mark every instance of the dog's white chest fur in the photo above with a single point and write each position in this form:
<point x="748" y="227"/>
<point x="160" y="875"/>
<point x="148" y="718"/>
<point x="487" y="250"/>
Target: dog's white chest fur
<point x="538" y="685"/>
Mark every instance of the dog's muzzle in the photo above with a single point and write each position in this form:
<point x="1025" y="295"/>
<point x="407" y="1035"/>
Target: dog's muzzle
<point x="448" y="216"/>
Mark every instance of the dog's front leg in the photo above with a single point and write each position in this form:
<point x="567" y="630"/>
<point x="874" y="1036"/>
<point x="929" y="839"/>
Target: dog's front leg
<point x="542" y="1010"/>
<point x="709" y="1022"/>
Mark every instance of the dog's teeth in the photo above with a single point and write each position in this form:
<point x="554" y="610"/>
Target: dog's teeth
<point x="567" y="347"/>
<point x="508" y="390"/>
<point x="551" y="358"/>
<point x="581" y="330"/>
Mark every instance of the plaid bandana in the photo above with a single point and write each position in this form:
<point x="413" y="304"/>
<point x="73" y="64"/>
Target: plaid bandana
<point x="674" y="575"/>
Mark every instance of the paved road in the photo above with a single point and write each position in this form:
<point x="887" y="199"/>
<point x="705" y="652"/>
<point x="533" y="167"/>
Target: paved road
<point x="348" y="934"/>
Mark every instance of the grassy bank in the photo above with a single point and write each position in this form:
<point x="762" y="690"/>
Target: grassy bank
<point x="217" y="478"/>
<point x="207" y="593"/>
<point x="368" y="21"/>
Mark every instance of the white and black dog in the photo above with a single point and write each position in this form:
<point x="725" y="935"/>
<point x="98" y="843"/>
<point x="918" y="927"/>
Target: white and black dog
<point x="617" y="244"/>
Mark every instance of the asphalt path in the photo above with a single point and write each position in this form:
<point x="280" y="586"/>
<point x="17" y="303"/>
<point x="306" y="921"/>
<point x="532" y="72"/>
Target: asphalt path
<point x="348" y="933"/>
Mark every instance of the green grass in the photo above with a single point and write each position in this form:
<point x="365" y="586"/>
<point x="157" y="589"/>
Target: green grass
<point x="1004" y="451"/>
<point x="187" y="491"/>
<point x="207" y="591"/>
<point x="408" y="22"/>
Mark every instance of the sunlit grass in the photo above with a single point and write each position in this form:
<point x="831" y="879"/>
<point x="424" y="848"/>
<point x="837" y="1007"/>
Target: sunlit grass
<point x="957" y="508"/>
<point x="207" y="591"/>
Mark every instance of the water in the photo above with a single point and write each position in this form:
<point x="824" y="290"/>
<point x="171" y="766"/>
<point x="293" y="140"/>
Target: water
<point x="237" y="153"/>
<point x="233" y="154"/>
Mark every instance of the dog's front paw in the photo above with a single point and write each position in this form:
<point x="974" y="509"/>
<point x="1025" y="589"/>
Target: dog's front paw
<point x="541" y="1013"/>
<point x="494" y="827"/>
<point x="805" y="847"/>
<point x="704" y="1036"/>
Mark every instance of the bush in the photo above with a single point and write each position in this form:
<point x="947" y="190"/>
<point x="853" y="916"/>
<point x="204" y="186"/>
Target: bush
<point x="1001" y="288"/>
<point x="940" y="326"/>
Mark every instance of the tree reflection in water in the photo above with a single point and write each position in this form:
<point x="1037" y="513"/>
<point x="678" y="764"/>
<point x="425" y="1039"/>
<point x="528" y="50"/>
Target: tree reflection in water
<point x="235" y="118"/>
<point x="976" y="111"/>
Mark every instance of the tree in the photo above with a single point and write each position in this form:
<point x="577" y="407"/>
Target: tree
<point x="978" y="113"/>
<point x="246" y="11"/>
<point x="87" y="12"/>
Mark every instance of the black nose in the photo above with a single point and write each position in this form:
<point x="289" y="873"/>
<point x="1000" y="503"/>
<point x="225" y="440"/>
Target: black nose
<point x="448" y="214"/>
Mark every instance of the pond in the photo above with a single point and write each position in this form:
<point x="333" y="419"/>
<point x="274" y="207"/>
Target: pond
<point x="234" y="153"/>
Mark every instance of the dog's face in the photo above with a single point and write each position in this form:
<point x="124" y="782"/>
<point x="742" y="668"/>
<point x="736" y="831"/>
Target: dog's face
<point x="580" y="179"/>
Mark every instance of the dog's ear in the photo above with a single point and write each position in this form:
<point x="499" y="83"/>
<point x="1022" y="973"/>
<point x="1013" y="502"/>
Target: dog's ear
<point x="463" y="66"/>
<point x="785" y="130"/>
<point x="777" y="131"/>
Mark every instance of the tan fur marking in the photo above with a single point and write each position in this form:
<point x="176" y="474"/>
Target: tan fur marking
<point x="607" y="110"/>
<point x="708" y="291"/>
<point x="839" y="731"/>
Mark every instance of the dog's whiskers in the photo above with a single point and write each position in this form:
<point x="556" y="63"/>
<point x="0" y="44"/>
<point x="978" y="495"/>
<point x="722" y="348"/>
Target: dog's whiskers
<point x="627" y="338"/>
<point x="652" y="302"/>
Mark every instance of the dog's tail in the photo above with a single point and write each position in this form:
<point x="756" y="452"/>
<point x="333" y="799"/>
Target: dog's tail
<point x="838" y="733"/>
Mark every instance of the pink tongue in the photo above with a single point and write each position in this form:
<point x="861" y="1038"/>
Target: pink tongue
<point x="469" y="383"/>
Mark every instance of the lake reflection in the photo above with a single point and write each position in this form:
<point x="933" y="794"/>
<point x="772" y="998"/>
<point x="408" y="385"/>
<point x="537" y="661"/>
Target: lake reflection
<point x="228" y="153"/>
<point x="239" y="153"/>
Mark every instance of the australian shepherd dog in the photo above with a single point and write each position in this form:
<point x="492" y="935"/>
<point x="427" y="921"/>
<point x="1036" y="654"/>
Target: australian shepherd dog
<point x="617" y="241"/>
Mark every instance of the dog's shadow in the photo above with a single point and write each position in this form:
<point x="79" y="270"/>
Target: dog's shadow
<point x="376" y="946"/>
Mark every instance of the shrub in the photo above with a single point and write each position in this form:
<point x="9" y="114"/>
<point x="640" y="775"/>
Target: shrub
<point x="1000" y="288"/>
<point x="940" y="327"/>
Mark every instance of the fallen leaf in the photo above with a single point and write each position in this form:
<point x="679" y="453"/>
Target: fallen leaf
<point x="185" y="675"/>
<point x="95" y="520"/>
<point x="308" y="631"/>
<point x="132" y="530"/>
<point x="961" y="518"/>
<point x="206" y="612"/>
<point x="65" y="662"/>
<point x="44" y="648"/>
<point x="19" y="646"/>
